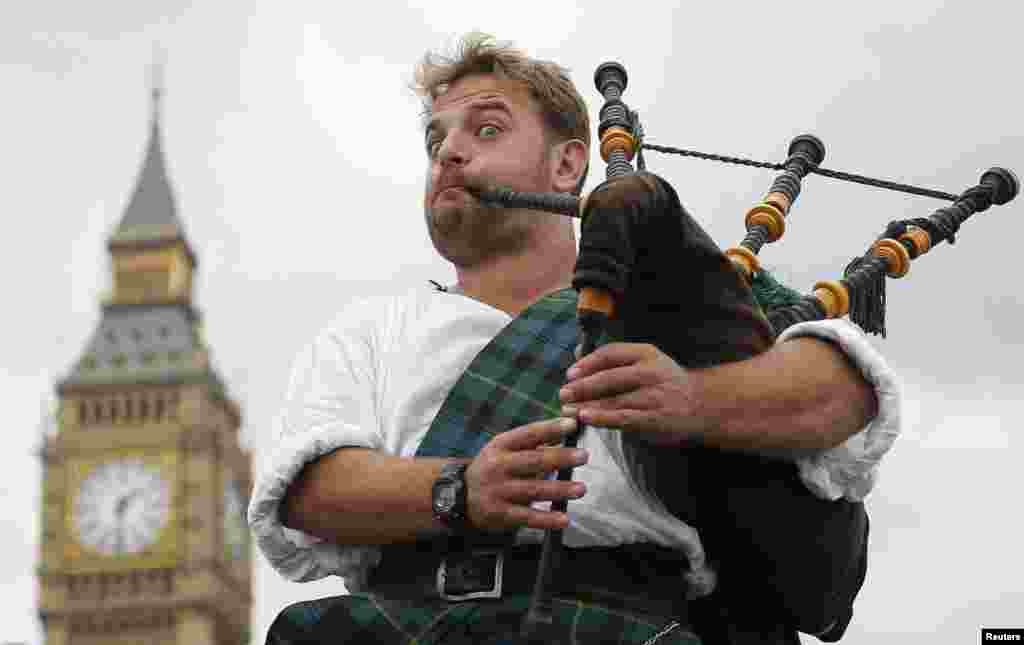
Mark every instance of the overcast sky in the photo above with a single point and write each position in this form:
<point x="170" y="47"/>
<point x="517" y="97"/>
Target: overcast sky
<point x="293" y="147"/>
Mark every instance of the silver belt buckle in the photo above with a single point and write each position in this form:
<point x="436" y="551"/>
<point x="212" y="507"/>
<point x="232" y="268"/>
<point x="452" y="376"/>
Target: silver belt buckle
<point x="467" y="575"/>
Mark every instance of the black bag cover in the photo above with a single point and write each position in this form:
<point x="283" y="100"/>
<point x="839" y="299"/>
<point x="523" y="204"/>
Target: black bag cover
<point x="787" y="560"/>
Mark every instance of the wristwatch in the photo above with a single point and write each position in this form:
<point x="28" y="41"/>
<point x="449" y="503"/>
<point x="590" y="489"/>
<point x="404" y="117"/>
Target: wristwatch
<point x="448" y="497"/>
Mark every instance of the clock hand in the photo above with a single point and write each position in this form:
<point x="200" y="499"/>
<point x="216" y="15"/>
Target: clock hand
<point x="120" y="509"/>
<point x="122" y="504"/>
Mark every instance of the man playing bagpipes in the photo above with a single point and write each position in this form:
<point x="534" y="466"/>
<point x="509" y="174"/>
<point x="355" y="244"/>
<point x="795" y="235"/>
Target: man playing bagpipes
<point x="717" y="490"/>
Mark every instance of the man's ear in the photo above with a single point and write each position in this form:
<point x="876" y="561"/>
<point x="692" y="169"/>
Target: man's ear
<point x="568" y="163"/>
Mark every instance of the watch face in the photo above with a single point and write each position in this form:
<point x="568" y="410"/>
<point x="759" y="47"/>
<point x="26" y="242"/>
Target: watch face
<point x="121" y="507"/>
<point x="445" y="497"/>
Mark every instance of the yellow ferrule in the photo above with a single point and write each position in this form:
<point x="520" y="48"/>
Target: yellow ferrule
<point x="617" y="139"/>
<point x="834" y="298"/>
<point x="770" y="216"/>
<point x="596" y="300"/>
<point x="919" y="238"/>
<point x="744" y="260"/>
<point x="896" y="256"/>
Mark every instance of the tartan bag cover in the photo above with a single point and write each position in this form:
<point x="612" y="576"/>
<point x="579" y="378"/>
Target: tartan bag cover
<point x="514" y="380"/>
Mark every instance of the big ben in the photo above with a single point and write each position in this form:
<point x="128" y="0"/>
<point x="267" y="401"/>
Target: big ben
<point x="145" y="481"/>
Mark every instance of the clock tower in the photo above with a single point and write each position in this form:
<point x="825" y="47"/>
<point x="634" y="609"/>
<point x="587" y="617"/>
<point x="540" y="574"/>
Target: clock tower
<point x="145" y="484"/>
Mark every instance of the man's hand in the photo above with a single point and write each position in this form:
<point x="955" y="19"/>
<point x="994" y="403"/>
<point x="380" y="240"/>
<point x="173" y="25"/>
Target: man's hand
<point x="508" y="475"/>
<point x="634" y="387"/>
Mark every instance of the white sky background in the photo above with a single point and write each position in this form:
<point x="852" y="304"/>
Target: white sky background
<point x="295" y="154"/>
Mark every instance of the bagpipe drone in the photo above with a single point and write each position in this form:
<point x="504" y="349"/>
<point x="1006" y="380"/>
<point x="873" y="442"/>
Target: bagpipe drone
<point x="646" y="272"/>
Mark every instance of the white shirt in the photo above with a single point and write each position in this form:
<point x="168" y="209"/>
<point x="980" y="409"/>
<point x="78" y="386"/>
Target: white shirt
<point x="377" y="375"/>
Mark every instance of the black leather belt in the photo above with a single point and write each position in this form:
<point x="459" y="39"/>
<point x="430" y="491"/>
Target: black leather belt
<point x="642" y="578"/>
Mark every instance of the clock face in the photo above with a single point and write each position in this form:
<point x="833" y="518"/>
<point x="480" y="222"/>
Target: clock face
<point x="121" y="507"/>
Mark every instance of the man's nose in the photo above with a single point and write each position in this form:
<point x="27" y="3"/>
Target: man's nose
<point x="454" y="151"/>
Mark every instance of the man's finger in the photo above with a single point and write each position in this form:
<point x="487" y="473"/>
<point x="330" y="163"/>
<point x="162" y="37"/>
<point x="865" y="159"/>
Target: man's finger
<point x="610" y="356"/>
<point x="528" y="491"/>
<point x="620" y="418"/>
<point x="531" y="463"/>
<point x="607" y="383"/>
<point x="532" y="435"/>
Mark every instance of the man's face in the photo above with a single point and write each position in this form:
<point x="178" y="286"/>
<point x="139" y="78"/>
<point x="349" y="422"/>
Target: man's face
<point x="483" y="131"/>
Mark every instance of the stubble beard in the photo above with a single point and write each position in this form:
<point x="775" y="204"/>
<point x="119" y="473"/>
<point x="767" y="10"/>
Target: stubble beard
<point x="469" y="233"/>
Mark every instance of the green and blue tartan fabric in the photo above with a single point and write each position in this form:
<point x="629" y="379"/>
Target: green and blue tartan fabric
<point x="514" y="380"/>
<point x="368" y="618"/>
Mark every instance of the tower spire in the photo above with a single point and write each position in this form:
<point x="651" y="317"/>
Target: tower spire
<point x="152" y="259"/>
<point x="156" y="81"/>
<point x="151" y="213"/>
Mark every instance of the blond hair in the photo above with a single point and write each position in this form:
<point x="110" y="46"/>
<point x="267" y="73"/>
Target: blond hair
<point x="563" y="109"/>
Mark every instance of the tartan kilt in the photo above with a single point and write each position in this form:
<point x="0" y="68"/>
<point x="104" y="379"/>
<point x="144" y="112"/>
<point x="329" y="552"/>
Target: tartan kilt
<point x="370" y="618"/>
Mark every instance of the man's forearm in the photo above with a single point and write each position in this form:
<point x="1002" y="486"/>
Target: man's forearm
<point x="362" y="496"/>
<point x="802" y="395"/>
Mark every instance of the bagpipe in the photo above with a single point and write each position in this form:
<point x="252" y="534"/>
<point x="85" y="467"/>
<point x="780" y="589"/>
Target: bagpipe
<point x="859" y="294"/>
<point x="647" y="272"/>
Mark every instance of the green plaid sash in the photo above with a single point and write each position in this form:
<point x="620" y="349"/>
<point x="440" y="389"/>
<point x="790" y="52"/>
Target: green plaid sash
<point x="513" y="381"/>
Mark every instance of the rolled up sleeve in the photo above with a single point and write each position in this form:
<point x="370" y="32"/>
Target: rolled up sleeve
<point x="850" y="469"/>
<point x="329" y="405"/>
